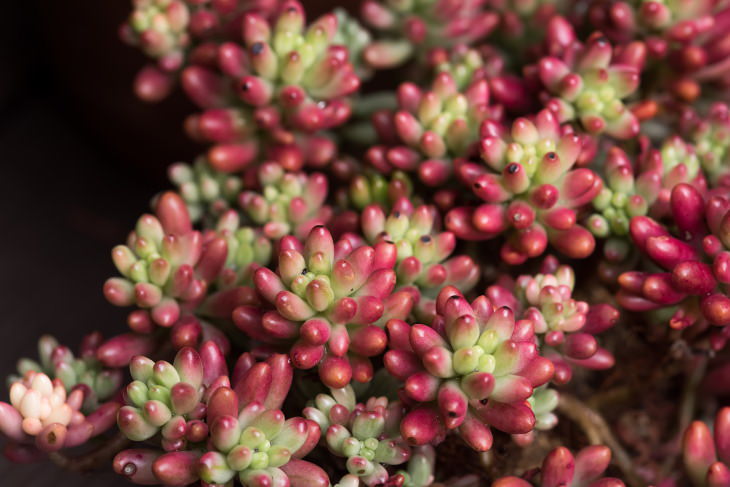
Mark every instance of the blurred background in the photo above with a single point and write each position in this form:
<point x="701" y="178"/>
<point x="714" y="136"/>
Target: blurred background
<point x="80" y="158"/>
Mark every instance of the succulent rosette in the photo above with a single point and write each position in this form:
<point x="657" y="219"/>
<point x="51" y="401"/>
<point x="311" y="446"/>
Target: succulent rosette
<point x="271" y="95"/>
<point x="289" y="203"/>
<point x="467" y="64"/>
<point x="234" y="429"/>
<point x="589" y="84"/>
<point x="161" y="29"/>
<point x="372" y="188"/>
<point x="207" y="192"/>
<point x="42" y="417"/>
<point x="692" y="275"/>
<point x="251" y="439"/>
<point x="424" y="263"/>
<point x="431" y="128"/>
<point x="86" y="372"/>
<point x="415" y="26"/>
<point x="164" y="398"/>
<point x="366" y="434"/>
<point x="530" y="189"/>
<point x="706" y="454"/>
<point x="169" y="269"/>
<point x="331" y="301"/>
<point x="711" y="136"/>
<point x="561" y="469"/>
<point x="644" y="188"/>
<point x="685" y="42"/>
<point x="566" y="327"/>
<point x="474" y="368"/>
<point x="296" y="68"/>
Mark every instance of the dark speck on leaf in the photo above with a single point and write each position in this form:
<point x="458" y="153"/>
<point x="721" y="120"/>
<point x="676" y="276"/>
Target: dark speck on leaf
<point x="257" y="48"/>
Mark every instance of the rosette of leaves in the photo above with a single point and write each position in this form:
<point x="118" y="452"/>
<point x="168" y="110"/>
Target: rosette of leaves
<point x="587" y="85"/>
<point x="366" y="434"/>
<point x="530" y="190"/>
<point x="207" y="192"/>
<point x="164" y="398"/>
<point x="170" y="269"/>
<point x="331" y="301"/>
<point x="85" y="372"/>
<point x="416" y="26"/>
<point x="432" y="128"/>
<point x="565" y="326"/>
<point x="288" y="203"/>
<point x="424" y="259"/>
<point x="474" y="368"/>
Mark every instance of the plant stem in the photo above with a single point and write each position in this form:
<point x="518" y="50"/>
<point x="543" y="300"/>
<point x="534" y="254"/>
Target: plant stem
<point x="94" y="458"/>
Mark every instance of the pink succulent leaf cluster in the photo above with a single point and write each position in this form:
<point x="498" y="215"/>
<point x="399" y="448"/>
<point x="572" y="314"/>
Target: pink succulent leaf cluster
<point x="305" y="303"/>
<point x="60" y="400"/>
<point x="530" y="190"/>
<point x="705" y="454"/>
<point x="565" y="326"/>
<point x="560" y="468"/>
<point x="169" y="269"/>
<point x="219" y="426"/>
<point x="330" y="301"/>
<point x="405" y="29"/>
<point x="424" y="263"/>
<point x="692" y="276"/>
<point x="474" y="368"/>
<point x="366" y="434"/>
<point x="431" y="128"/>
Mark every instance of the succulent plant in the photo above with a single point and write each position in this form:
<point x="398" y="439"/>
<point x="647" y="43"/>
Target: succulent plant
<point x="705" y="454"/>
<point x="561" y="468"/>
<point x="473" y="368"/>
<point x="588" y="85"/>
<point x="413" y="26"/>
<point x="87" y="373"/>
<point x="432" y="128"/>
<point x="692" y="274"/>
<point x="289" y="203"/>
<point x="331" y="301"/>
<point x="305" y="302"/>
<point x="423" y="263"/>
<point x="366" y="434"/>
<point x="207" y="193"/>
<point x="565" y="326"/>
<point x="529" y="189"/>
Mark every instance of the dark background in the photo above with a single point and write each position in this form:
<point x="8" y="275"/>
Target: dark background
<point x="80" y="158"/>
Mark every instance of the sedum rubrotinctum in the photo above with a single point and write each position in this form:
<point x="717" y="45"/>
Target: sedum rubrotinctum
<point x="424" y="243"/>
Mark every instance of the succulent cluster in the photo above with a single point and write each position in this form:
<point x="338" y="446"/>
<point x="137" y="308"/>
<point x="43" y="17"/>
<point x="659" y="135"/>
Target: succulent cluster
<point x="440" y="243"/>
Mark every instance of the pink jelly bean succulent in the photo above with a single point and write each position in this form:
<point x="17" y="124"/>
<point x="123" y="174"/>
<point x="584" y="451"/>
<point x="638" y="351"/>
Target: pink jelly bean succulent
<point x="424" y="243"/>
